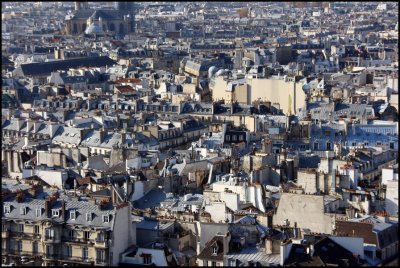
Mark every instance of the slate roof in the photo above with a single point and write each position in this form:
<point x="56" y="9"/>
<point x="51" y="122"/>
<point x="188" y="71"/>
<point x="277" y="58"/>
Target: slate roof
<point x="45" y="68"/>
<point x="81" y="206"/>
<point x="207" y="252"/>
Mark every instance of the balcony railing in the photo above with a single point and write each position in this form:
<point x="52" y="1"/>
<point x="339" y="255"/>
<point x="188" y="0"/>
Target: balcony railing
<point x="101" y="261"/>
<point x="101" y="243"/>
<point x="77" y="240"/>
<point x="22" y="253"/>
<point x="75" y="259"/>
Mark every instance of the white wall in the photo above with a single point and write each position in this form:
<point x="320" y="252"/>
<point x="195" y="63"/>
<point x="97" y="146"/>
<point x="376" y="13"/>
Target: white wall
<point x="217" y="211"/>
<point x="353" y="244"/>
<point x="138" y="191"/>
<point x="122" y="233"/>
<point x="392" y="197"/>
<point x="52" y="177"/>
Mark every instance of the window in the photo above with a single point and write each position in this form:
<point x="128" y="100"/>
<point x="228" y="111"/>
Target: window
<point x="328" y="146"/>
<point x="354" y="144"/>
<point x="72" y="215"/>
<point x="22" y="210"/>
<point x="227" y="137"/>
<point x="49" y="233"/>
<point x="86" y="235"/>
<point x="55" y="213"/>
<point x="19" y="245"/>
<point x="241" y="137"/>
<point x="20" y="228"/>
<point x="233" y="137"/>
<point x="37" y="229"/>
<point x="88" y="216"/>
<point x="100" y="255"/>
<point x="315" y="145"/>
<point x="100" y="236"/>
<point x="49" y="250"/>
<point x="213" y="263"/>
<point x="147" y="258"/>
<point x="71" y="234"/>
<point x="38" y="212"/>
<point x="215" y="250"/>
<point x="106" y="218"/>
<point x="85" y="253"/>
<point x="68" y="251"/>
<point x="391" y="145"/>
<point x="35" y="248"/>
<point x="7" y="209"/>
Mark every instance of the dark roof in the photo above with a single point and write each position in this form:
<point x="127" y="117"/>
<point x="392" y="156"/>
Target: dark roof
<point x="332" y="253"/>
<point x="6" y="61"/>
<point x="207" y="252"/>
<point x="44" y="68"/>
<point x="358" y="229"/>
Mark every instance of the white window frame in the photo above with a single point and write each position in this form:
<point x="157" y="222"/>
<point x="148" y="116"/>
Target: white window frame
<point x="147" y="259"/>
<point x="89" y="216"/>
<point x="49" y="233"/>
<point x="55" y="213"/>
<point x="106" y="218"/>
<point x="69" y="250"/>
<point x="7" y="209"/>
<point x="85" y="253"/>
<point x="72" y="214"/>
<point x="38" y="212"/>
<point x="22" y="210"/>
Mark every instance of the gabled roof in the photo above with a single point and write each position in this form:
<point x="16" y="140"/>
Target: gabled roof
<point x="207" y="252"/>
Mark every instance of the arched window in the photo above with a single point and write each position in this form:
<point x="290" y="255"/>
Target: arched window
<point x="112" y="27"/>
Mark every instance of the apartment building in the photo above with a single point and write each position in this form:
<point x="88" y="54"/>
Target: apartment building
<point x="44" y="228"/>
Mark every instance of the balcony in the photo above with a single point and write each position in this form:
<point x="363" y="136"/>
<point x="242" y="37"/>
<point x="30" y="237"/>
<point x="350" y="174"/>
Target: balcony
<point x="22" y="253"/>
<point x="101" y="243"/>
<point x="51" y="256"/>
<point x="50" y="239"/>
<point x="77" y="240"/>
<point x="102" y="262"/>
<point x="74" y="259"/>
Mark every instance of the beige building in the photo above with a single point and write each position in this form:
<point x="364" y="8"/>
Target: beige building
<point x="63" y="230"/>
<point x="283" y="92"/>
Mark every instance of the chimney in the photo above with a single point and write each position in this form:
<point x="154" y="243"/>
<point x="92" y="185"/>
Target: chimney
<point x="26" y="141"/>
<point x="285" y="249"/>
<point x="47" y="207"/>
<point x="268" y="245"/>
<point x="29" y="125"/>
<point x="63" y="210"/>
<point x="103" y="134"/>
<point x="20" y="121"/>
<point x="36" y="126"/>
<point x="123" y="137"/>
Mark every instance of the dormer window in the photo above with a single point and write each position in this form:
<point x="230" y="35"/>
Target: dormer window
<point x="214" y="250"/>
<point x="55" y="212"/>
<point x="106" y="218"/>
<point x="88" y="216"/>
<point x="23" y="210"/>
<point x="7" y="209"/>
<point x="72" y="215"/>
<point x="38" y="212"/>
